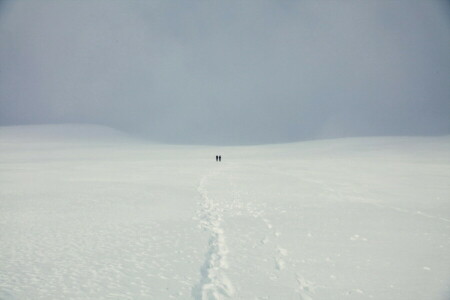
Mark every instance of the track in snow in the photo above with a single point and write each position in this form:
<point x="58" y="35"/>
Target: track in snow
<point x="214" y="283"/>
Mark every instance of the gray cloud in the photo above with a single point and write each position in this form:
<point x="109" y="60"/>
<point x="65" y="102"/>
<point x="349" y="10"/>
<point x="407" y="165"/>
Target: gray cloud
<point x="228" y="72"/>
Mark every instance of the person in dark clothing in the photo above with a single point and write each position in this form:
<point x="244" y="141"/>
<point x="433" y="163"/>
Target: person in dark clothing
<point x="217" y="157"/>
<point x="220" y="157"/>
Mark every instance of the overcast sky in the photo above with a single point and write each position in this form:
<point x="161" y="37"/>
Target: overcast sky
<point x="228" y="72"/>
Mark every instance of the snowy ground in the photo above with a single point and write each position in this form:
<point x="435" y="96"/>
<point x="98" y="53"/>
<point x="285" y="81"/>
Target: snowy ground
<point x="87" y="213"/>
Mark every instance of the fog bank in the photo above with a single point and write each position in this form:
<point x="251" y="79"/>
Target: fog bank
<point x="229" y="72"/>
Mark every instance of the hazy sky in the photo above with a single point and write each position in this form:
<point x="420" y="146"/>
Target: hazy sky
<point x="228" y="72"/>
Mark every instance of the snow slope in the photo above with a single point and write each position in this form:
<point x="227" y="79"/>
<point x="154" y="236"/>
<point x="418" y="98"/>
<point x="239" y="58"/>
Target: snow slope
<point x="88" y="213"/>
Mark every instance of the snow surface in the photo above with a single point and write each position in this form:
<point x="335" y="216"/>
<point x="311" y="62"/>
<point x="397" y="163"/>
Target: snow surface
<point x="88" y="213"/>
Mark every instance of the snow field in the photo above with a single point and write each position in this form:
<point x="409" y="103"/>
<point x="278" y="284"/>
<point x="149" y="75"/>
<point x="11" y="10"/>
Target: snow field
<point x="116" y="218"/>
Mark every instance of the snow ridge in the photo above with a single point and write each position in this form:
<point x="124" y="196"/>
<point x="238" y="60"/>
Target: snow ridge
<point x="214" y="283"/>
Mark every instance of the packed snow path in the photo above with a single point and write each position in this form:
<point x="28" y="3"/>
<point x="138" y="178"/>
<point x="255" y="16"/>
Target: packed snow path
<point x="86" y="217"/>
<point x="214" y="282"/>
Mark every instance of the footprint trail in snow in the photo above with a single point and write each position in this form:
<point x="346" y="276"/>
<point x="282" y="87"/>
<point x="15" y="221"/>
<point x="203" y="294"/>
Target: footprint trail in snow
<point x="214" y="283"/>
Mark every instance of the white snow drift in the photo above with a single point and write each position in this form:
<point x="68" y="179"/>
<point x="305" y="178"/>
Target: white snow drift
<point x="88" y="213"/>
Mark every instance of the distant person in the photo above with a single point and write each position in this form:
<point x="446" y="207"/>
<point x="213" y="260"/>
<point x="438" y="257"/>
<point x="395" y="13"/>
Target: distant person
<point x="217" y="157"/>
<point x="220" y="157"/>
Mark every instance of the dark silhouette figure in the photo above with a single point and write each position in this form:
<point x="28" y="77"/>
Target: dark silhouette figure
<point x="217" y="157"/>
<point x="220" y="157"/>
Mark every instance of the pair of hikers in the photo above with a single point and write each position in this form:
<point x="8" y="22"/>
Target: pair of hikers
<point x="218" y="157"/>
